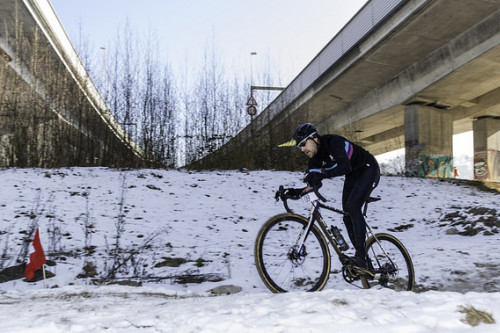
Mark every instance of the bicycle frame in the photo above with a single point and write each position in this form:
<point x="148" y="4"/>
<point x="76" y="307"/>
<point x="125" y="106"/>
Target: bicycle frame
<point x="315" y="215"/>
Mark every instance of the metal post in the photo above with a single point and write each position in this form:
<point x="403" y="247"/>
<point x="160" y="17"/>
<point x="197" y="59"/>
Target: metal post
<point x="251" y="67"/>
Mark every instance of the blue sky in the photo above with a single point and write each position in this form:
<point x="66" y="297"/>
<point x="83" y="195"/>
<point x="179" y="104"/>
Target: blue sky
<point x="285" y="33"/>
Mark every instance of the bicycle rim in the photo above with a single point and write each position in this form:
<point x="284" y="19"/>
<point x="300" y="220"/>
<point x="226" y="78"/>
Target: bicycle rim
<point x="280" y="266"/>
<point x="391" y="263"/>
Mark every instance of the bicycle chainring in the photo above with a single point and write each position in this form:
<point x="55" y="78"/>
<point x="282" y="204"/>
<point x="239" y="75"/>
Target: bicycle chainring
<point x="350" y="273"/>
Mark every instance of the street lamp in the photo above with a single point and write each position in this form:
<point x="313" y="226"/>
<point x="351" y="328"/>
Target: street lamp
<point x="251" y="103"/>
<point x="251" y="67"/>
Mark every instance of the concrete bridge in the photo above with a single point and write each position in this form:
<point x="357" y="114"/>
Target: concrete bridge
<point x="50" y="111"/>
<point x="401" y="74"/>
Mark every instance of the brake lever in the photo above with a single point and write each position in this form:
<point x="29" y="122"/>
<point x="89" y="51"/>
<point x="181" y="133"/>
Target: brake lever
<point x="279" y="194"/>
<point x="315" y="189"/>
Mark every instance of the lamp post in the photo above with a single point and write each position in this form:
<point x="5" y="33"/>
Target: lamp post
<point x="104" y="74"/>
<point x="251" y="103"/>
<point x="251" y="67"/>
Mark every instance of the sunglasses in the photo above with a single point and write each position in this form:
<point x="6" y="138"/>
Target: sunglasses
<point x="303" y="142"/>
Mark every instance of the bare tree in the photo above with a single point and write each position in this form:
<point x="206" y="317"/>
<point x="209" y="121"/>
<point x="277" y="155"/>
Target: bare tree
<point x="175" y="120"/>
<point x="157" y="130"/>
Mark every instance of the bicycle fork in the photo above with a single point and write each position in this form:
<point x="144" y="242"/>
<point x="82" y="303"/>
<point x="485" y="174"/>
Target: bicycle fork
<point x="302" y="237"/>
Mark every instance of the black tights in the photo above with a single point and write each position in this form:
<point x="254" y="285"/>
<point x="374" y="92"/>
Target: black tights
<point x="357" y="188"/>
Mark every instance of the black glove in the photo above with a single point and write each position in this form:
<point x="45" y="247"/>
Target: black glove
<point x="293" y="193"/>
<point x="314" y="179"/>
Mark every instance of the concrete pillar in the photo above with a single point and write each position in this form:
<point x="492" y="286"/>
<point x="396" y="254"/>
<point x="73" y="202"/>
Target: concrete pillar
<point x="428" y="141"/>
<point x="487" y="148"/>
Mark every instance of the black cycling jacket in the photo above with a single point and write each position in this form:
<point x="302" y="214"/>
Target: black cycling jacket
<point x="337" y="156"/>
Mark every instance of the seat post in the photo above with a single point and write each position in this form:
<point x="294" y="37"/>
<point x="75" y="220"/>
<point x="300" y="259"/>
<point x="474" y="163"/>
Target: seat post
<point x="365" y="208"/>
<point x="368" y="200"/>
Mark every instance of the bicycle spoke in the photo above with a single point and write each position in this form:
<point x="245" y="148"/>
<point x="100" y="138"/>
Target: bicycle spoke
<point x="285" y="267"/>
<point x="391" y="262"/>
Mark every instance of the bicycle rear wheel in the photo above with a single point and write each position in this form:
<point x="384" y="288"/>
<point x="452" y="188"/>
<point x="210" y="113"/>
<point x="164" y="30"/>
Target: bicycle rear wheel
<point x="391" y="263"/>
<point x="282" y="265"/>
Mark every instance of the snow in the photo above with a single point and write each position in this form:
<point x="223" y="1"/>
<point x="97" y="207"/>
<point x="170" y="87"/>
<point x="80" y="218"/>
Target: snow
<point x="210" y="220"/>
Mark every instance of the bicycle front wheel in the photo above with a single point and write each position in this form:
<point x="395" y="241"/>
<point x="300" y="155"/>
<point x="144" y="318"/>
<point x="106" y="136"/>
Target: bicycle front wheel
<point x="391" y="264"/>
<point x="285" y="266"/>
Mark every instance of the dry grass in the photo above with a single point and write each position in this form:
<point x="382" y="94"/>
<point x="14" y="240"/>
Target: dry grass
<point x="475" y="317"/>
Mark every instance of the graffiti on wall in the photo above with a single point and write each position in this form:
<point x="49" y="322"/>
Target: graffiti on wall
<point x="435" y="166"/>
<point x="487" y="165"/>
<point x="481" y="165"/>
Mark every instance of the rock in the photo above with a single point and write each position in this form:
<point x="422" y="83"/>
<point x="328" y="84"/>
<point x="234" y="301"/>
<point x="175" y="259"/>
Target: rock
<point x="12" y="273"/>
<point x="39" y="276"/>
<point x="225" y="290"/>
<point x="89" y="270"/>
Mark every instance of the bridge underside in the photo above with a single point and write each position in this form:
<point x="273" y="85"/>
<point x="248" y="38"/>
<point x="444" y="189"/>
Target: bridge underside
<point x="53" y="125"/>
<point x="430" y="70"/>
<point x="50" y="112"/>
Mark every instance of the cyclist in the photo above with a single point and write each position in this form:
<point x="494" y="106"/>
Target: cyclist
<point x="332" y="156"/>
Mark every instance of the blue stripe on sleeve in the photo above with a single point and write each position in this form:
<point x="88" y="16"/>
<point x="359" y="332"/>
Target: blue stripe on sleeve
<point x="332" y="167"/>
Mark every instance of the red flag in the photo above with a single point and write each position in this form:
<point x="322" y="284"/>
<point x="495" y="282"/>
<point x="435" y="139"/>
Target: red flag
<point x="36" y="259"/>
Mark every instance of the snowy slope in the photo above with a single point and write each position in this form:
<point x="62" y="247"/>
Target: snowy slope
<point x="180" y="233"/>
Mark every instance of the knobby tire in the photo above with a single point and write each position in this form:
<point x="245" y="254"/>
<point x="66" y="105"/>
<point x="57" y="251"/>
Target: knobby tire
<point x="393" y="268"/>
<point x="282" y="269"/>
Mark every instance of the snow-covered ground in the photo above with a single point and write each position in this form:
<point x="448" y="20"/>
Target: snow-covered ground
<point x="177" y="235"/>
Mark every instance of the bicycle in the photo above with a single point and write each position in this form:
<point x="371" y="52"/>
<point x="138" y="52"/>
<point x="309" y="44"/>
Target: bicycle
<point x="292" y="252"/>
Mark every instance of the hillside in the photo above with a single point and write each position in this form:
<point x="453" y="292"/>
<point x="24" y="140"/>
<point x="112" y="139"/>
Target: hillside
<point x="172" y="239"/>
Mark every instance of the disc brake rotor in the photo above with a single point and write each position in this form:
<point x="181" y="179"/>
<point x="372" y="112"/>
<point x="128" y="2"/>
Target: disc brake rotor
<point x="297" y="257"/>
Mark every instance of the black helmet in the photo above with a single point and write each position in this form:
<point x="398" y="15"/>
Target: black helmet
<point x="304" y="131"/>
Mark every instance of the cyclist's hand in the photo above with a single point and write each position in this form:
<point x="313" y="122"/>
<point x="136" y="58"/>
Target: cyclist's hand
<point x="293" y="193"/>
<point x="277" y="195"/>
<point x="314" y="179"/>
